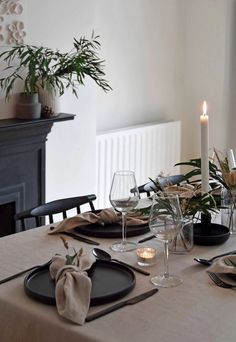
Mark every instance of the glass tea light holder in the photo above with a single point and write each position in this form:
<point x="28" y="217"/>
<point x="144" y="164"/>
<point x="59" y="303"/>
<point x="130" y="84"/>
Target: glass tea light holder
<point x="146" y="256"/>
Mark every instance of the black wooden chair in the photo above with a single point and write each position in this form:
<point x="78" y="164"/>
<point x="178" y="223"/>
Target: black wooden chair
<point x="55" y="207"/>
<point x="148" y="188"/>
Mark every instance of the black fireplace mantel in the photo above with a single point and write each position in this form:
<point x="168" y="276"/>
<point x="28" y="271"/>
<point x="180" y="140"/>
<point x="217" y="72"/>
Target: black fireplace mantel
<point x="22" y="166"/>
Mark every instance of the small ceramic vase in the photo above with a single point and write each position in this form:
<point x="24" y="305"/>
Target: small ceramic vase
<point x="50" y="101"/>
<point x="28" y="106"/>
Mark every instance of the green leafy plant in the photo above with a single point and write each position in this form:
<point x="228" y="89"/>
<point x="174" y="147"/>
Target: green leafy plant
<point x="196" y="165"/>
<point x="192" y="201"/>
<point x="42" y="67"/>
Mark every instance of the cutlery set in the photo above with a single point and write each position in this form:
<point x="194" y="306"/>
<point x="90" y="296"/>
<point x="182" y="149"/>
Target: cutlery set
<point x="219" y="282"/>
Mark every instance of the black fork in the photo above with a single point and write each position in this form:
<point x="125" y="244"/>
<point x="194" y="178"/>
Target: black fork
<point x="219" y="282"/>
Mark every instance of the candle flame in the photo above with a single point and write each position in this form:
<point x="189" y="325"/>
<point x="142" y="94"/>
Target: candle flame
<point x="204" y="107"/>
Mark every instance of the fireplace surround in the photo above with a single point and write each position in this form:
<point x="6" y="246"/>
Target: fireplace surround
<point x="22" y="167"/>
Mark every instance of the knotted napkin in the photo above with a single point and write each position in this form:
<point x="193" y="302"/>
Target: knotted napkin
<point x="105" y="216"/>
<point x="73" y="287"/>
<point x="224" y="265"/>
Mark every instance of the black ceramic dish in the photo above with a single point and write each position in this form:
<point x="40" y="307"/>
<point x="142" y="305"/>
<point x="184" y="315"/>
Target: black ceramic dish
<point x="232" y="276"/>
<point x="111" y="230"/>
<point x="218" y="234"/>
<point x="110" y="281"/>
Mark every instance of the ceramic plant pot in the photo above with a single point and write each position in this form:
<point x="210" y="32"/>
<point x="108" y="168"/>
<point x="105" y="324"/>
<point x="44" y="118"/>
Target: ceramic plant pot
<point x="50" y="101"/>
<point x="28" y="106"/>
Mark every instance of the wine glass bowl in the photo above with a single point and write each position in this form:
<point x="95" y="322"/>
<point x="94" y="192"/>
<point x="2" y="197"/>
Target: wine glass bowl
<point x="165" y="230"/>
<point x="124" y="197"/>
<point x="165" y="223"/>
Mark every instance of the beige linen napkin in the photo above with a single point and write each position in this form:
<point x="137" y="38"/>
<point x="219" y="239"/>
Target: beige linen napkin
<point x="104" y="216"/>
<point x="226" y="264"/>
<point x="73" y="287"/>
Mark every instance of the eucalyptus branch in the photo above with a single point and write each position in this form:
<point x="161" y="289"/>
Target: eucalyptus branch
<point x="49" y="69"/>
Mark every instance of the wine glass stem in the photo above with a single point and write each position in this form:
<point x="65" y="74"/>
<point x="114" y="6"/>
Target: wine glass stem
<point x="166" y="256"/>
<point x="123" y="227"/>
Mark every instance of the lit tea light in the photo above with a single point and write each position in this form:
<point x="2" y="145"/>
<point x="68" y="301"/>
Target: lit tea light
<point x="146" y="256"/>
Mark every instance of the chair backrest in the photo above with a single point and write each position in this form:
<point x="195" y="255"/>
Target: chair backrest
<point x="55" y="207"/>
<point x="143" y="191"/>
<point x="160" y="183"/>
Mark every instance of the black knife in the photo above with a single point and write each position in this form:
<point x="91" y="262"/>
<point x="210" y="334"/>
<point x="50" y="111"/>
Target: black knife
<point x="81" y="238"/>
<point x="117" y="306"/>
<point x="5" y="280"/>
<point x="147" y="238"/>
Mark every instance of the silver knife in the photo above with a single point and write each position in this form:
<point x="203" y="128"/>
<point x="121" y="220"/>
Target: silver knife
<point x="117" y="306"/>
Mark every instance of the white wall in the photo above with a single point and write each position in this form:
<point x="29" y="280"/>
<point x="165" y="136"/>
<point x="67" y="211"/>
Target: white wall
<point x="206" y="73"/>
<point x="140" y="42"/>
<point x="163" y="58"/>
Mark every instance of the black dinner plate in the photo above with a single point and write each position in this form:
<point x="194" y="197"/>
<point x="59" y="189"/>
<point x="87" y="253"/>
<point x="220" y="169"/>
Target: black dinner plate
<point x="110" y="281"/>
<point x="111" y="230"/>
<point x="231" y="276"/>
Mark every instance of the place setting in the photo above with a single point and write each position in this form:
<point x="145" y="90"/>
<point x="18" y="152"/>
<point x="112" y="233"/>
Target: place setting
<point x="80" y="280"/>
<point x="120" y="220"/>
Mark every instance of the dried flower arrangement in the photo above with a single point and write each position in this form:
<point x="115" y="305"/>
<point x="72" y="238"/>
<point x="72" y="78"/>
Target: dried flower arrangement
<point x="228" y="195"/>
<point x="74" y="258"/>
<point x="192" y="201"/>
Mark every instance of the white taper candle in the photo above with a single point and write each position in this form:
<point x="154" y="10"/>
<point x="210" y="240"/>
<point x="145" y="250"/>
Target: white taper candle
<point x="204" y="149"/>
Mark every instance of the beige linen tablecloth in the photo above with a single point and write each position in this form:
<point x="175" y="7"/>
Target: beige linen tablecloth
<point x="195" y="311"/>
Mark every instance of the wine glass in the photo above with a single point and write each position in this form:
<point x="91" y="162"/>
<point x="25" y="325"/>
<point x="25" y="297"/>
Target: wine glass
<point x="124" y="197"/>
<point x="165" y="222"/>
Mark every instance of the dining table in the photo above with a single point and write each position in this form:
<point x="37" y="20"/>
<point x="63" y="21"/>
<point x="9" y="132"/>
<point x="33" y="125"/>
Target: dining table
<point x="197" y="310"/>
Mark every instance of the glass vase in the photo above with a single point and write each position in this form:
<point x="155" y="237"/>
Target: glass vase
<point x="228" y="212"/>
<point x="183" y="242"/>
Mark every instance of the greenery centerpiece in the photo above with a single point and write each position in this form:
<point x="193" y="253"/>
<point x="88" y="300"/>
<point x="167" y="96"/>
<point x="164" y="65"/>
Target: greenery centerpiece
<point x="42" y="68"/>
<point x="195" y="205"/>
<point x="205" y="231"/>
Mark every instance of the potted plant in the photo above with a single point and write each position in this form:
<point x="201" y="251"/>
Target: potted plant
<point x="44" y="69"/>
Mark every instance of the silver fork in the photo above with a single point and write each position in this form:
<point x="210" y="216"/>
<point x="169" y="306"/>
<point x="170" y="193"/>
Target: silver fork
<point x="219" y="282"/>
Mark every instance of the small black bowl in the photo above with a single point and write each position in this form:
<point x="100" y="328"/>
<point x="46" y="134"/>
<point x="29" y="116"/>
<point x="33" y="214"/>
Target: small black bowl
<point x="216" y="235"/>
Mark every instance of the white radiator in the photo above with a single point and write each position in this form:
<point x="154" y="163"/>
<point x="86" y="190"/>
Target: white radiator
<point x="147" y="150"/>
